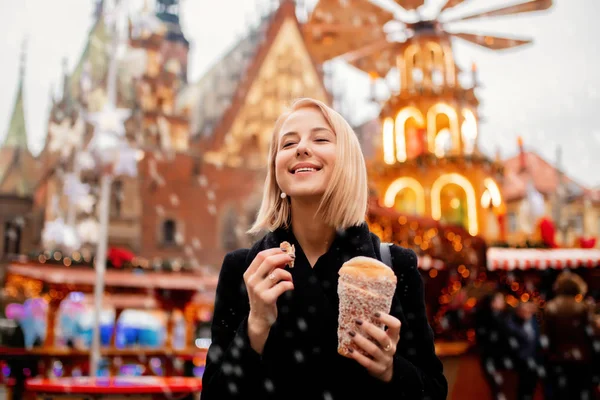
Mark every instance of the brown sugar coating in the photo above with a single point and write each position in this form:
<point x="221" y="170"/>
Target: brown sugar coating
<point x="288" y="248"/>
<point x="365" y="286"/>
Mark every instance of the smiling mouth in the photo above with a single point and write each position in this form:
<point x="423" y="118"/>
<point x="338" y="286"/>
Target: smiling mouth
<point x="305" y="170"/>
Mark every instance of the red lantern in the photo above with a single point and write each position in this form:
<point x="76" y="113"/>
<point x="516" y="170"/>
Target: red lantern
<point x="547" y="232"/>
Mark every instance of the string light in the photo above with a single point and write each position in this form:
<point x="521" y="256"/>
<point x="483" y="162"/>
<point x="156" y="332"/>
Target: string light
<point x="494" y="191"/>
<point x="448" y="111"/>
<point x="459" y="180"/>
<point x="388" y="141"/>
<point x="400" y="184"/>
<point x="403" y="116"/>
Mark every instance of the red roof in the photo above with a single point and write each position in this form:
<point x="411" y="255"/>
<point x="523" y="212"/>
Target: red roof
<point x="544" y="175"/>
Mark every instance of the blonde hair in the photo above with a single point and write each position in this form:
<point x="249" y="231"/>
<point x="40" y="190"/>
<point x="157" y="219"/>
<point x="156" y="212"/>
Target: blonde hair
<point x="344" y="203"/>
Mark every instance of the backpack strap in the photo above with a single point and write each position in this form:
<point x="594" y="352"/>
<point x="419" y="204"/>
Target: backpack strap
<point x="386" y="254"/>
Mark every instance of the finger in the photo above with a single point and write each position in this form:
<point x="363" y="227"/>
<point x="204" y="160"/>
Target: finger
<point x="270" y="296"/>
<point x="380" y="336"/>
<point x="392" y="323"/>
<point x="367" y="345"/>
<point x="270" y="263"/>
<point x="272" y="279"/>
<point x="260" y="257"/>
<point x="371" y="365"/>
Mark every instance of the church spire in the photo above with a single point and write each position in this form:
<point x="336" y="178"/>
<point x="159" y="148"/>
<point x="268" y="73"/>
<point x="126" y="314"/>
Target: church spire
<point x="168" y="11"/>
<point x="17" y="133"/>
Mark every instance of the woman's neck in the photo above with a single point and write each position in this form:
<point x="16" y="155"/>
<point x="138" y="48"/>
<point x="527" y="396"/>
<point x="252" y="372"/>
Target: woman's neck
<point x="313" y="235"/>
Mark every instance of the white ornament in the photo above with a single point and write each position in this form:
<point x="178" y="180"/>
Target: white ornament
<point x="85" y="161"/>
<point x="110" y="120"/>
<point x="86" y="204"/>
<point x="65" y="138"/>
<point x="74" y="189"/>
<point x="56" y="234"/>
<point x="88" y="230"/>
<point x="126" y="161"/>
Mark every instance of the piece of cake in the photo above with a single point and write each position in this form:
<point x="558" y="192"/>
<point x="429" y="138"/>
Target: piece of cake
<point x="288" y="248"/>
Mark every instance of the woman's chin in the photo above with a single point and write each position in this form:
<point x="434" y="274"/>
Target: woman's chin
<point x="307" y="195"/>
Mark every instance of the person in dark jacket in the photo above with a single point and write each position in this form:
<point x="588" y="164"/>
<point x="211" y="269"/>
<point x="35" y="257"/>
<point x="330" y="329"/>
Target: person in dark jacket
<point x="571" y="356"/>
<point x="524" y="338"/>
<point x="274" y="328"/>
<point x="491" y="336"/>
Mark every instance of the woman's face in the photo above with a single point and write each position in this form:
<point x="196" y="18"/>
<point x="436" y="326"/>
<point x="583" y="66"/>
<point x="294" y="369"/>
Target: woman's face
<point x="306" y="154"/>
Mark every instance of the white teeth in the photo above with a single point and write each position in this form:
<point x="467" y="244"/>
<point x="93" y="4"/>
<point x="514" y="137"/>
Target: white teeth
<point x="305" y="170"/>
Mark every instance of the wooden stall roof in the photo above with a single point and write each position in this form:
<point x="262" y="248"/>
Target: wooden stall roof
<point x="125" y="301"/>
<point x="87" y="276"/>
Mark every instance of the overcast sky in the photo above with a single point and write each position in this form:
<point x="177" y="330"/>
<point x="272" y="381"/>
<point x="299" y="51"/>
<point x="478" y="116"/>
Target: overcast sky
<point x="548" y="92"/>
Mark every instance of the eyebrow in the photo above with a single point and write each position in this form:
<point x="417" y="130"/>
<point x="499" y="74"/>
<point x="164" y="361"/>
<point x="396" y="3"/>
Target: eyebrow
<point x="313" y="130"/>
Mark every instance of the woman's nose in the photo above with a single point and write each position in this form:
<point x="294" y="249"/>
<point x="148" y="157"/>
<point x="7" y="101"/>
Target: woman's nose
<point x="302" y="149"/>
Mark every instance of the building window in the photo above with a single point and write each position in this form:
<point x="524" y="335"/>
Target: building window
<point x="117" y="197"/>
<point x="12" y="238"/>
<point x="169" y="232"/>
<point x="512" y="222"/>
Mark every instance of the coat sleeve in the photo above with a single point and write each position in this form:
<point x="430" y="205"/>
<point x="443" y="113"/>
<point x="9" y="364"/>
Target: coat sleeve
<point x="233" y="369"/>
<point x="418" y="372"/>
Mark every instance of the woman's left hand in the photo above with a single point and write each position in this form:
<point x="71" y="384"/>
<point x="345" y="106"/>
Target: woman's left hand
<point x="381" y="350"/>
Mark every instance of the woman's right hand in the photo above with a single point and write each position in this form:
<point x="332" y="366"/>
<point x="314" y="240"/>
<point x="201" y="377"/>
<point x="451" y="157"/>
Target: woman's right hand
<point x="265" y="281"/>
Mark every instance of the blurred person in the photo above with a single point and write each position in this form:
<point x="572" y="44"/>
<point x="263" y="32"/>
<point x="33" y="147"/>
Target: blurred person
<point x="274" y="328"/>
<point x="570" y="352"/>
<point x="491" y="335"/>
<point x="524" y="339"/>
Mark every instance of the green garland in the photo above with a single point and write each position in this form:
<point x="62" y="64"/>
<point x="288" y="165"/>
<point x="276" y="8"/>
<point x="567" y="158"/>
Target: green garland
<point x="57" y="257"/>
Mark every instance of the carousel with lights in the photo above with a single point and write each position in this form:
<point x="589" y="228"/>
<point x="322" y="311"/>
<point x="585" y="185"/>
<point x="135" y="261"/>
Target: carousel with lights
<point x="433" y="190"/>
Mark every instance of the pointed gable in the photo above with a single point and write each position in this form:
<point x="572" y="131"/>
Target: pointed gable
<point x="16" y="161"/>
<point x="21" y="175"/>
<point x="543" y="174"/>
<point x="279" y="71"/>
<point x="16" y="136"/>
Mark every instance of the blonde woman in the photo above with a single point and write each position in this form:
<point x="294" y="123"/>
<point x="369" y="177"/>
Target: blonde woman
<point x="274" y="330"/>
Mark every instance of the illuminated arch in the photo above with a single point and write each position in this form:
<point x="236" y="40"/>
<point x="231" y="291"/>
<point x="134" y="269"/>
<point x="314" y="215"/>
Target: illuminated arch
<point x="388" y="141"/>
<point x="450" y="73"/>
<point x="433" y="58"/>
<point x="436" y="50"/>
<point x="491" y="195"/>
<point x="442" y="108"/>
<point x="459" y="180"/>
<point x="411" y="61"/>
<point x="405" y="183"/>
<point x="469" y="130"/>
<point x="441" y="138"/>
<point x="400" y="129"/>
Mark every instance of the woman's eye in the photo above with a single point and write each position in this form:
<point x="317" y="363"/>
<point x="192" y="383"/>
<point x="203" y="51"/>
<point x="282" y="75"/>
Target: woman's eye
<point x="322" y="140"/>
<point x="288" y="144"/>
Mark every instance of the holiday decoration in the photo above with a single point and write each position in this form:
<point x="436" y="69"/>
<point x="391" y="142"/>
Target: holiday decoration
<point x="56" y="234"/>
<point x="548" y="233"/>
<point x="118" y="257"/>
<point x="66" y="136"/>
